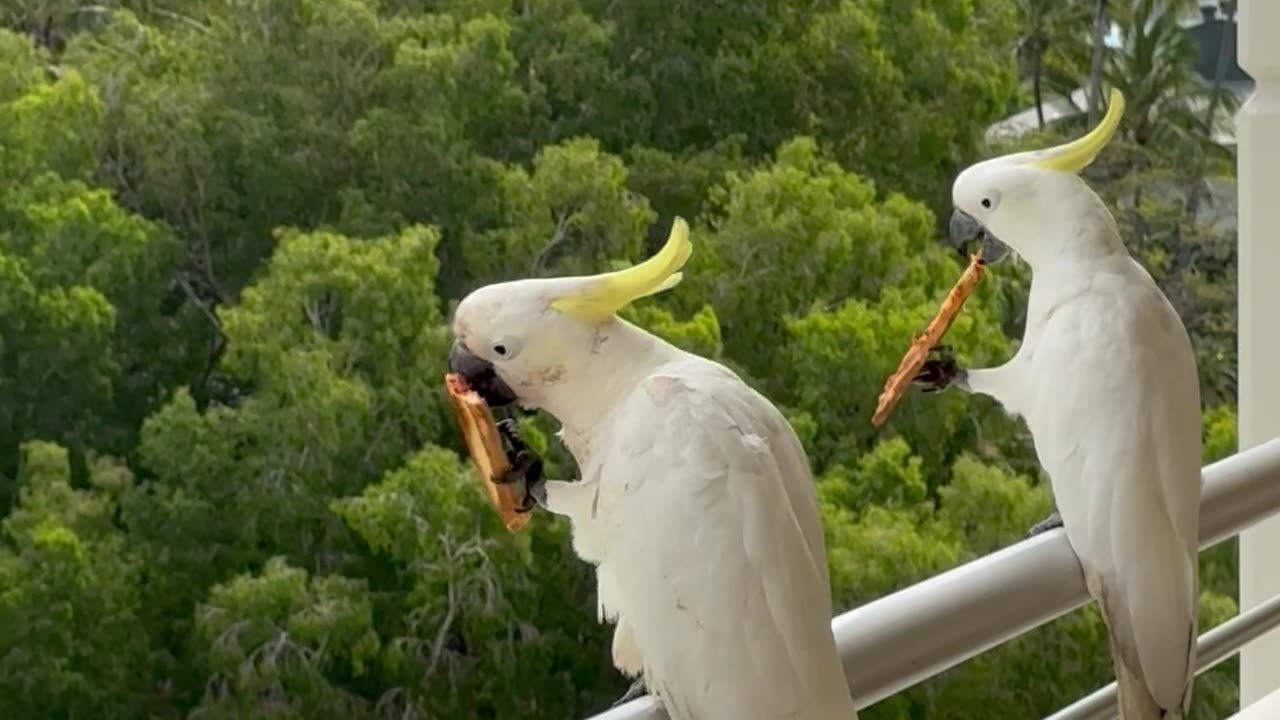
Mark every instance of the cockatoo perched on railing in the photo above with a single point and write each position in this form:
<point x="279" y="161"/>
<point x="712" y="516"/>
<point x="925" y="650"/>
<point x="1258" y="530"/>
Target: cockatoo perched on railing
<point x="696" y="502"/>
<point x="1106" y="380"/>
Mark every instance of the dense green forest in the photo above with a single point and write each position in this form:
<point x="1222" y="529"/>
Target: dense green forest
<point x="232" y="231"/>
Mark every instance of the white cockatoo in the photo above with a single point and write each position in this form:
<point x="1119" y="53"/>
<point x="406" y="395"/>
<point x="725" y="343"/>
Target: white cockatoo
<point x="1106" y="380"/>
<point x="696" y="503"/>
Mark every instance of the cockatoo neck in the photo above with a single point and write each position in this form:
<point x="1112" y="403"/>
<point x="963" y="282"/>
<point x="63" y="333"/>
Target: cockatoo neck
<point x="620" y="357"/>
<point x="1077" y="228"/>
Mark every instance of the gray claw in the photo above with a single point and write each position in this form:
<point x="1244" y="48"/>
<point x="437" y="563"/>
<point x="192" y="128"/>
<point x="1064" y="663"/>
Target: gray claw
<point x="509" y="429"/>
<point x="525" y="466"/>
<point x="939" y="372"/>
<point x="636" y="690"/>
<point x="1052" y="522"/>
<point x="538" y="491"/>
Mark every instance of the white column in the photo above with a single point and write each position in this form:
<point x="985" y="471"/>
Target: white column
<point x="1268" y="708"/>
<point x="1258" y="134"/>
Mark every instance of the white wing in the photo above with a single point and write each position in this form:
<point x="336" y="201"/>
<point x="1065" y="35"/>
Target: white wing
<point x="715" y="554"/>
<point x="1116" y="422"/>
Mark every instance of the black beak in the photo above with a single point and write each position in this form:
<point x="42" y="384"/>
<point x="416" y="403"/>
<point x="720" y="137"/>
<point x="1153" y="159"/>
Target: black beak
<point x="967" y="235"/>
<point x="480" y="375"/>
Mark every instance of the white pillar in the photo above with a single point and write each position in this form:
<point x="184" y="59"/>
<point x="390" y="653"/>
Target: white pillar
<point x="1258" y="135"/>
<point x="1268" y="708"/>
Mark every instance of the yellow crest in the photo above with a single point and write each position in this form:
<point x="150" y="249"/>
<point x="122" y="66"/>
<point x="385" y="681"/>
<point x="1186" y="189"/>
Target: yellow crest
<point x="599" y="297"/>
<point x="1077" y="154"/>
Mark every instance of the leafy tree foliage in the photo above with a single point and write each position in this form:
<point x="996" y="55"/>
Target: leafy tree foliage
<point x="231" y="235"/>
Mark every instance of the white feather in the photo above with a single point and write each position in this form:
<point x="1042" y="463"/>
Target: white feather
<point x="711" y="550"/>
<point x="1115" y="415"/>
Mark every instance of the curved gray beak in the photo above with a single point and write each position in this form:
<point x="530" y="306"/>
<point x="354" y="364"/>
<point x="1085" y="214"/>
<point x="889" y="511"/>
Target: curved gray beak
<point x="481" y="376"/>
<point x="968" y="235"/>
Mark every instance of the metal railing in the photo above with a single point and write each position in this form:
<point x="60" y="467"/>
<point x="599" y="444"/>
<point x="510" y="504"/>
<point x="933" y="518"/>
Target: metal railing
<point x="1212" y="648"/>
<point x="902" y="639"/>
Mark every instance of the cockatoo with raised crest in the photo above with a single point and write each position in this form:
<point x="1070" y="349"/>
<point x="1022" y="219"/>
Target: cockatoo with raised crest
<point x="1106" y="380"/>
<point x="696" y="503"/>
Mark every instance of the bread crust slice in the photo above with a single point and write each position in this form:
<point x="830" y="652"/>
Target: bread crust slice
<point x="484" y="445"/>
<point x="896" y="386"/>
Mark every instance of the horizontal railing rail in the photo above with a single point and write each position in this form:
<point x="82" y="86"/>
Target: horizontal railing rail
<point x="902" y="639"/>
<point x="1212" y="648"/>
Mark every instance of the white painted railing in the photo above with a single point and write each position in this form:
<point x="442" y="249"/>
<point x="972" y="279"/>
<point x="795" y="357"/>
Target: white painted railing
<point x="1214" y="646"/>
<point x="899" y="640"/>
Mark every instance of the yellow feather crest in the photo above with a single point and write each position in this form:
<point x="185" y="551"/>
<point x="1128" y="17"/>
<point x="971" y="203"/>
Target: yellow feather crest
<point x="1076" y="155"/>
<point x="602" y="296"/>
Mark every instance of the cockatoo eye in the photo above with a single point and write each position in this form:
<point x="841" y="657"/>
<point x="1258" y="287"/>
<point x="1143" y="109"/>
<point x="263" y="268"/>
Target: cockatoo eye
<point x="991" y="200"/>
<point x="505" y="348"/>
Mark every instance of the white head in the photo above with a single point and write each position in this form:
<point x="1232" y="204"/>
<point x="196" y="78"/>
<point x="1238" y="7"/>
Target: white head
<point x="1035" y="202"/>
<point x="526" y="341"/>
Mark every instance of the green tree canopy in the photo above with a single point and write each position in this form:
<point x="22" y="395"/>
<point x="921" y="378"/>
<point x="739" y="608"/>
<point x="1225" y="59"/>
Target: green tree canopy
<point x="232" y="233"/>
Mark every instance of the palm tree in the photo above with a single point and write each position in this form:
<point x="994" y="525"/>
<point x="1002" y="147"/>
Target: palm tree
<point x="1046" y="24"/>
<point x="1160" y="178"/>
<point x="1128" y="14"/>
<point x="1155" y="68"/>
<point x="1099" y="45"/>
<point x="1226" y="48"/>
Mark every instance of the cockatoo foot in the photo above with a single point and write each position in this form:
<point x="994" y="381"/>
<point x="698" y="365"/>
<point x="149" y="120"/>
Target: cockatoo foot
<point x="526" y="467"/>
<point x="940" y="371"/>
<point x="1053" y="521"/>
<point x="636" y="690"/>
